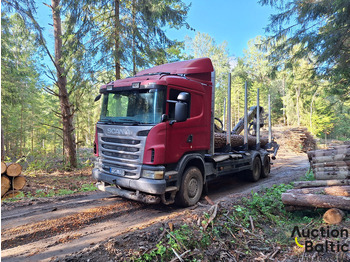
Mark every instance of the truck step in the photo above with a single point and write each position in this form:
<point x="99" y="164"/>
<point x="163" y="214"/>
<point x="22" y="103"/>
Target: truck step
<point x="171" y="188"/>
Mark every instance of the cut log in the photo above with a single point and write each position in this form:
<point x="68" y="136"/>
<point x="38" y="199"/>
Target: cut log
<point x="14" y="169"/>
<point x="331" y="169"/>
<point x="332" y="190"/>
<point x="5" y="184"/>
<point x="332" y="175"/>
<point x="332" y="164"/>
<point x="333" y="158"/>
<point x="328" y="152"/>
<point x="3" y="167"/>
<point x="318" y="183"/>
<point x="19" y="182"/>
<point x="314" y="200"/>
<point x="333" y="216"/>
<point x="11" y="194"/>
<point x="236" y="140"/>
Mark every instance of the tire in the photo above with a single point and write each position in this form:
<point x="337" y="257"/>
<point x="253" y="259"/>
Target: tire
<point x="254" y="174"/>
<point x="191" y="187"/>
<point x="266" y="167"/>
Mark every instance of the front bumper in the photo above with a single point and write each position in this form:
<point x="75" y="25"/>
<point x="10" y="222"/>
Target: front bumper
<point x="150" y="186"/>
<point x="137" y="196"/>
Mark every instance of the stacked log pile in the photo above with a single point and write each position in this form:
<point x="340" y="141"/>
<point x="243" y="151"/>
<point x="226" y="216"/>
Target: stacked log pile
<point x="300" y="139"/>
<point x="236" y="140"/>
<point x="333" y="163"/>
<point x="331" y="189"/>
<point x="11" y="179"/>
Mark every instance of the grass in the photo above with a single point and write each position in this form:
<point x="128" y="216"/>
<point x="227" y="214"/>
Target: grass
<point x="42" y="193"/>
<point x="260" y="225"/>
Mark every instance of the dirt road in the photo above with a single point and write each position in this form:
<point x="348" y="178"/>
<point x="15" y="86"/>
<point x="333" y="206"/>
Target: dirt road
<point x="42" y="231"/>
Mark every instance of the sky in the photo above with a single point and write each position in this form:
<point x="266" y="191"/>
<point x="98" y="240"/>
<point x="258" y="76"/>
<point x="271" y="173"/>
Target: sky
<point x="233" y="21"/>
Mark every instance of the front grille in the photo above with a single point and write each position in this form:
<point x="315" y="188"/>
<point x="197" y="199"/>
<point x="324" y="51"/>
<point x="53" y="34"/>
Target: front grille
<point x="121" y="140"/>
<point x="122" y="156"/>
<point x="121" y="148"/>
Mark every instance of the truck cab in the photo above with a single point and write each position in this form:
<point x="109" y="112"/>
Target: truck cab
<point x="154" y="141"/>
<point x="148" y="124"/>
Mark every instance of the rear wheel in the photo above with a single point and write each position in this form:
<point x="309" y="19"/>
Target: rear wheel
<point x="265" y="170"/>
<point x="254" y="174"/>
<point x="191" y="187"/>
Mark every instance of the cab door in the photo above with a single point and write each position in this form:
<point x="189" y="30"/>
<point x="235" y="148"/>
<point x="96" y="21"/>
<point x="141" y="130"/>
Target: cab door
<point x="190" y="135"/>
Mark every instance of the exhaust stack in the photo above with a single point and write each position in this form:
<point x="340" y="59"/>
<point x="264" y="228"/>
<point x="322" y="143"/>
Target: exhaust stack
<point x="228" y="130"/>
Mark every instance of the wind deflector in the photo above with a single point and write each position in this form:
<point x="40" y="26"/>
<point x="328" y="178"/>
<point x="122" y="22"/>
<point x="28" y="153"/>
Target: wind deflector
<point x="200" y="67"/>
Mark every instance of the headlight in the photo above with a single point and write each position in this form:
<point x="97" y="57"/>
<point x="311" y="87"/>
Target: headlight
<point x="153" y="174"/>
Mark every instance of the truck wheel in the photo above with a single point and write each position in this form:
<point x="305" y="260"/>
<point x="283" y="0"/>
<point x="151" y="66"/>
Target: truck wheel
<point x="265" y="170"/>
<point x="191" y="187"/>
<point x="254" y="175"/>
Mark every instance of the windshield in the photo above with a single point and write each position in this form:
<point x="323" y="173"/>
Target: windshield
<point x="133" y="106"/>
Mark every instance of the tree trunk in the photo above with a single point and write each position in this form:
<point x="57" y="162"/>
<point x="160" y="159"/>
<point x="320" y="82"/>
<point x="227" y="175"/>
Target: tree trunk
<point x="297" y="90"/>
<point x="134" y="37"/>
<point x="332" y="190"/>
<point x="66" y="107"/>
<point x="320" y="183"/>
<point x="314" y="200"/>
<point x="5" y="184"/>
<point x="117" y="39"/>
<point x="14" y="169"/>
<point x="2" y="146"/>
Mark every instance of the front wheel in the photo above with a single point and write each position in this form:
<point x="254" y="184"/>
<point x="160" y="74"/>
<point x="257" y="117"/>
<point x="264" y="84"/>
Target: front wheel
<point x="191" y="187"/>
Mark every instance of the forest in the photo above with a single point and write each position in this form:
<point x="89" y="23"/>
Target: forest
<point x="52" y="73"/>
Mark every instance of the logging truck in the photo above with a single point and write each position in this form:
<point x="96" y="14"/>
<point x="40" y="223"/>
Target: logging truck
<point x="157" y="139"/>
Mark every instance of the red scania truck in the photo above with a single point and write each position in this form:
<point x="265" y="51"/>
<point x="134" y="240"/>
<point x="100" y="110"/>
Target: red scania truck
<point x="154" y="141"/>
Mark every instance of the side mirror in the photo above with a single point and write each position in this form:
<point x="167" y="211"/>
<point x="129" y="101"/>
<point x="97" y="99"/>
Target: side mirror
<point x="98" y="97"/>
<point x="181" y="111"/>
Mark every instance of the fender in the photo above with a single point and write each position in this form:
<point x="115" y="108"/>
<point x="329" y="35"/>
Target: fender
<point x="198" y="161"/>
<point x="255" y="153"/>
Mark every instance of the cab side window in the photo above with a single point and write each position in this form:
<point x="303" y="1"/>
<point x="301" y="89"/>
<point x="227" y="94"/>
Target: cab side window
<point x="173" y="93"/>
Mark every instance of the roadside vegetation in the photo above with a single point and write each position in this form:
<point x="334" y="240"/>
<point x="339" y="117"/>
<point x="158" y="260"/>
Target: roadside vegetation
<point x="51" y="177"/>
<point x="259" y="229"/>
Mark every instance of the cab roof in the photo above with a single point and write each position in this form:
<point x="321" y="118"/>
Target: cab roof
<point x="199" y="69"/>
<point x="188" y="67"/>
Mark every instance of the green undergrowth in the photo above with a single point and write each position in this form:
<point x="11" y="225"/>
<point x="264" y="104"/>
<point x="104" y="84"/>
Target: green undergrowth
<point x="260" y="225"/>
<point x="42" y="193"/>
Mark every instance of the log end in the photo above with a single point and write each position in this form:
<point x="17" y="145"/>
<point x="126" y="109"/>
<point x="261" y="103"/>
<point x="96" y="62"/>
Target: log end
<point x="14" y="169"/>
<point x="3" y="167"/>
<point x="333" y="216"/>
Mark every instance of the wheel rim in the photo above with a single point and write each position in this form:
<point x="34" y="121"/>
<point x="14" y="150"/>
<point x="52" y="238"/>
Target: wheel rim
<point x="193" y="187"/>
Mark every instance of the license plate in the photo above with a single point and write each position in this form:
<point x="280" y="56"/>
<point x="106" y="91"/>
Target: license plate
<point x="116" y="171"/>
